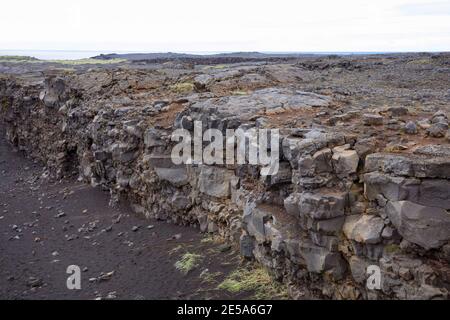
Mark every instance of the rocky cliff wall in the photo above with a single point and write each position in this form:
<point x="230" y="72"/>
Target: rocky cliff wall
<point x="336" y="206"/>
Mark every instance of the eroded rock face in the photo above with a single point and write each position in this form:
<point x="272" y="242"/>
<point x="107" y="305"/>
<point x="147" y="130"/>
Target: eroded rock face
<point x="409" y="165"/>
<point x="215" y="181"/>
<point x="338" y="202"/>
<point x="229" y="112"/>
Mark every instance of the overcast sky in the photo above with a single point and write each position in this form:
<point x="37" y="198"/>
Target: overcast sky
<point x="231" y="25"/>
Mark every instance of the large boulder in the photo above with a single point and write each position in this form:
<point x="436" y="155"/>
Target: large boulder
<point x="364" y="228"/>
<point x="427" y="192"/>
<point x="411" y="165"/>
<point x="438" y="130"/>
<point x="434" y="192"/>
<point x="358" y="268"/>
<point x="330" y="226"/>
<point x="391" y="188"/>
<point x="319" y="260"/>
<point x="255" y="217"/>
<point x="291" y="204"/>
<point x="283" y="175"/>
<point x="316" y="205"/>
<point x="55" y="92"/>
<point x="321" y="205"/>
<point x="428" y="227"/>
<point x="322" y="160"/>
<point x="345" y="161"/>
<point x="177" y="176"/>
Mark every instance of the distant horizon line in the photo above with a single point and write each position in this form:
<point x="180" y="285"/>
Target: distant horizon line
<point x="65" y="54"/>
<point x="215" y="52"/>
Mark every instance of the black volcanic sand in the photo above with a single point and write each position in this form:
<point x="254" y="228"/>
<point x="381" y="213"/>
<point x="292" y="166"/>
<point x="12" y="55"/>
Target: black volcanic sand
<point x="35" y="249"/>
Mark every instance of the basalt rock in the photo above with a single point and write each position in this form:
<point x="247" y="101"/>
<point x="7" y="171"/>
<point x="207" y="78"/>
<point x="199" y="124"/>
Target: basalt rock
<point x="429" y="227"/>
<point x="342" y="199"/>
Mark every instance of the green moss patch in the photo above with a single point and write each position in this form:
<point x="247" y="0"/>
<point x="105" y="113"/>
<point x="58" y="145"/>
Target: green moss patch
<point x="182" y="87"/>
<point x="188" y="262"/>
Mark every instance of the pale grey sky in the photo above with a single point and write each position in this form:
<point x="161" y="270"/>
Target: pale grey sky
<point x="232" y="25"/>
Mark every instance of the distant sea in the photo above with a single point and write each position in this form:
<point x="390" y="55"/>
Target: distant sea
<point x="72" y="55"/>
<point x="52" y="54"/>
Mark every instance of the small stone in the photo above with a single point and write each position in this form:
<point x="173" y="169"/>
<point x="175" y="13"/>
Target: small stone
<point x="424" y="124"/>
<point x="34" y="282"/>
<point x="111" y="295"/>
<point x="224" y="247"/>
<point x="71" y="237"/>
<point x="372" y="119"/>
<point x="105" y="276"/>
<point x="59" y="215"/>
<point x="387" y="232"/>
<point x="405" y="274"/>
<point x="438" y="130"/>
<point x="398" y="111"/>
<point x="439" y="114"/>
<point x="410" y="128"/>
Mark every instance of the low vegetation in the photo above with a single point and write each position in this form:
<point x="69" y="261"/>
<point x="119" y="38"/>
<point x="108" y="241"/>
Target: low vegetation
<point x="210" y="277"/>
<point x="182" y="87"/>
<point x="254" y="279"/>
<point x="87" y="61"/>
<point x="188" y="262"/>
<point x="18" y="59"/>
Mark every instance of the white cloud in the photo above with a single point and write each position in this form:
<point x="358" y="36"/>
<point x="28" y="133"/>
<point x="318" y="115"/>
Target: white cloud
<point x="233" y="25"/>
